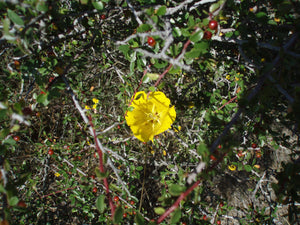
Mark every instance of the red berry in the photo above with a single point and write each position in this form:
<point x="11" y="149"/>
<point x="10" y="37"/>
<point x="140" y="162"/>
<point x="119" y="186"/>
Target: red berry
<point x="21" y="203"/>
<point x="207" y="35"/>
<point x="16" y="138"/>
<point x="218" y="222"/>
<point x="219" y="146"/>
<point x="119" y="127"/>
<point x="213" y="25"/>
<point x="103" y="16"/>
<point x="51" y="79"/>
<point x="116" y="198"/>
<point x="213" y="158"/>
<point x="124" y="215"/>
<point x="183" y="223"/>
<point x="43" y="93"/>
<point x="240" y="154"/>
<point x="50" y="152"/>
<point x="204" y="217"/>
<point x="93" y="177"/>
<point x="95" y="190"/>
<point x="258" y="154"/>
<point x="254" y="145"/>
<point x="221" y="204"/>
<point x="132" y="202"/>
<point x="151" y="41"/>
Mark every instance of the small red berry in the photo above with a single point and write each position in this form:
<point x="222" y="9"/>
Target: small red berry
<point x="95" y="190"/>
<point x="124" y="215"/>
<point x="219" y="146"/>
<point x="103" y="16"/>
<point x="50" y="152"/>
<point x="51" y="79"/>
<point x="16" y="138"/>
<point x="43" y="93"/>
<point x="95" y="155"/>
<point x="213" y="25"/>
<point x="258" y="154"/>
<point x="132" y="202"/>
<point x="151" y="41"/>
<point x="119" y="127"/>
<point x="21" y="203"/>
<point x="207" y="35"/>
<point x="218" y="222"/>
<point x="204" y="217"/>
<point x="183" y="223"/>
<point x="116" y="199"/>
<point x="221" y="204"/>
<point x="93" y="177"/>
<point x="254" y="145"/>
<point x="240" y="154"/>
<point x="213" y="158"/>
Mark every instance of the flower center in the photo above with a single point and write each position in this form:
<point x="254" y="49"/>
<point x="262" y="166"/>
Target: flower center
<point x="153" y="117"/>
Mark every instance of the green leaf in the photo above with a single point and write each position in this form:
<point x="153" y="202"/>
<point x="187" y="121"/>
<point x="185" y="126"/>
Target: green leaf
<point x="152" y="89"/>
<point x="42" y="7"/>
<point x="161" y="11"/>
<point x="13" y="201"/>
<point x="118" y="215"/>
<point x="214" y="7"/>
<point x="176" y="189"/>
<point x="98" y="5"/>
<point x="139" y="168"/>
<point x="176" y="215"/>
<point x="248" y="168"/>
<point x="143" y="28"/>
<point x="100" y="204"/>
<point x="159" y="210"/>
<point x="15" y="17"/>
<point x="43" y="99"/>
<point x="177" y="31"/>
<point x="197" y="36"/>
<point x="139" y="219"/>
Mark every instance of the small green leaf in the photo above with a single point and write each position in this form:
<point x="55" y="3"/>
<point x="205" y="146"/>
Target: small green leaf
<point x="43" y="99"/>
<point x="176" y="189"/>
<point x="161" y="11"/>
<point x="15" y="17"/>
<point x="13" y="201"/>
<point x="118" y="215"/>
<point x="98" y="5"/>
<point x="248" y="168"/>
<point x="214" y="7"/>
<point x="159" y="210"/>
<point x="139" y="168"/>
<point x="152" y="89"/>
<point x="176" y="215"/>
<point x="143" y="28"/>
<point x="42" y="7"/>
<point x="139" y="219"/>
<point x="100" y="204"/>
<point x="197" y="36"/>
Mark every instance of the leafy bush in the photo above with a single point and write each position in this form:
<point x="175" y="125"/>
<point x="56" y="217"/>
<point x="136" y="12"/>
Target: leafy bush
<point x="69" y="71"/>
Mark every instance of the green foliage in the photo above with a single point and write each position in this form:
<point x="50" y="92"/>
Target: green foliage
<point x="97" y="53"/>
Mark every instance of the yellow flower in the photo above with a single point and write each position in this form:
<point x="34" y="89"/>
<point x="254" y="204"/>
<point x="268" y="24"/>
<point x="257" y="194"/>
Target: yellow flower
<point x="263" y="59"/>
<point x="228" y="77"/>
<point x="96" y="101"/>
<point x="57" y="174"/>
<point x="164" y="153"/>
<point x="94" y="106"/>
<point x="232" y="167"/>
<point x="277" y="20"/>
<point x="87" y="107"/>
<point x="151" y="115"/>
<point x="237" y="79"/>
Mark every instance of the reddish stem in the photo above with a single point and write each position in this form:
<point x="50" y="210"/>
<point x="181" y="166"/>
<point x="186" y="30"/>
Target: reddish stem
<point x="176" y="204"/>
<point x="101" y="168"/>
